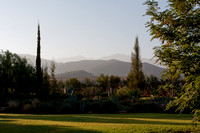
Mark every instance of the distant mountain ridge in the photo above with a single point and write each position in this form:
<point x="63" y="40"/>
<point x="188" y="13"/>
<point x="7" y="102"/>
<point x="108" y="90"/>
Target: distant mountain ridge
<point x="97" y="67"/>
<point x="110" y="67"/>
<point x="70" y="59"/>
<point x="32" y="60"/>
<point x="72" y="74"/>
<point x="121" y="57"/>
<point x="127" y="58"/>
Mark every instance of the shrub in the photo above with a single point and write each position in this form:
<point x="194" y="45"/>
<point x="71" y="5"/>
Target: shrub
<point x="123" y="93"/>
<point x="47" y="108"/>
<point x="35" y="103"/>
<point x="66" y="108"/>
<point x="13" y="107"/>
<point x="13" y="104"/>
<point x="108" y="107"/>
<point x="27" y="108"/>
<point x="105" y="106"/>
<point x="146" y="108"/>
<point x="135" y="94"/>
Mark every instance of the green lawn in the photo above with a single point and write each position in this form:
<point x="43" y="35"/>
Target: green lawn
<point x="96" y="123"/>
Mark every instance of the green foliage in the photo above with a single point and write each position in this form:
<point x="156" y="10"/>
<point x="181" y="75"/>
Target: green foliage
<point x="135" y="94"/>
<point x="88" y="83"/>
<point x="178" y="28"/>
<point x="90" y="92"/>
<point x="103" y="81"/>
<point x="115" y="82"/>
<point x="54" y="83"/>
<point x="190" y="96"/>
<point x="45" y="92"/>
<point x="74" y="83"/>
<point x="73" y="86"/>
<point x="123" y="93"/>
<point x="152" y="84"/>
<point x="172" y="82"/>
<point x="136" y="76"/>
<point x="16" y="75"/>
<point x="109" y="84"/>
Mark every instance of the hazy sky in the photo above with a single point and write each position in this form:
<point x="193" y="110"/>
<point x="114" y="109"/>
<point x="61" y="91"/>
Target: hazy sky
<point x="92" y="28"/>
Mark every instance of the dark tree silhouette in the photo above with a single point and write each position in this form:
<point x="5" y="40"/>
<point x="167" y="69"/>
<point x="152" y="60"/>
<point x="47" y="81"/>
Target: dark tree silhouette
<point x="38" y="64"/>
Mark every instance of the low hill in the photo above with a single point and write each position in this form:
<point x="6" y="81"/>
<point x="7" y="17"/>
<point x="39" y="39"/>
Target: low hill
<point x="110" y="67"/>
<point x="78" y="65"/>
<point x="74" y="74"/>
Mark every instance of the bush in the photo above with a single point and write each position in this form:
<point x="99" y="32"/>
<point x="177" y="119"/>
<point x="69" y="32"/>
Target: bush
<point x="146" y="108"/>
<point x="135" y="94"/>
<point x="123" y="93"/>
<point x="69" y="105"/>
<point x="13" y="107"/>
<point x="13" y="104"/>
<point x="106" y="106"/>
<point x="66" y="108"/>
<point x="30" y="106"/>
<point x="27" y="108"/>
<point x="47" y="108"/>
<point x="93" y="106"/>
<point x="35" y="103"/>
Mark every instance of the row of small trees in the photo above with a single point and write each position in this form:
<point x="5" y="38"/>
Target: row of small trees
<point x="21" y="80"/>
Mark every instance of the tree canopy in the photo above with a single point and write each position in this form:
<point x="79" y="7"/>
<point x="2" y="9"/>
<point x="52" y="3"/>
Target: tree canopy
<point x="16" y="75"/>
<point x="178" y="28"/>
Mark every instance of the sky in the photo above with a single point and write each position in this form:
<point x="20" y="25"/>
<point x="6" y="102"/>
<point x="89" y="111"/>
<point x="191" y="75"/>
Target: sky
<point x="91" y="28"/>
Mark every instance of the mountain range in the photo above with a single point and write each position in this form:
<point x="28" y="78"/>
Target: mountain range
<point x="117" y="64"/>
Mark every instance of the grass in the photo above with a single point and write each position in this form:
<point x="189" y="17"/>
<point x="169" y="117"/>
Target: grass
<point x="96" y="123"/>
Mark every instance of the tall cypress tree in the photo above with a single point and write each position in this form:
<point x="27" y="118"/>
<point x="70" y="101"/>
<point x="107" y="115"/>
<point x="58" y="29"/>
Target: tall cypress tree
<point x="136" y="76"/>
<point x="38" y="64"/>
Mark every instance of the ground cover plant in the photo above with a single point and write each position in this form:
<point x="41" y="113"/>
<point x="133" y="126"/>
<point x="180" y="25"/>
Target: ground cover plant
<point x="96" y="123"/>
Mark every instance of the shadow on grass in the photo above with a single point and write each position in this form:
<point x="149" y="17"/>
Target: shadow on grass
<point x="101" y="118"/>
<point x="7" y="127"/>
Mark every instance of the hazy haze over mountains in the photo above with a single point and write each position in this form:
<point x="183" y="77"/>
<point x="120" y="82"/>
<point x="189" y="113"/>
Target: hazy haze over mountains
<point x="120" y="57"/>
<point x="72" y="74"/>
<point x="117" y="64"/>
<point x="70" y="59"/>
<point x="110" y="67"/>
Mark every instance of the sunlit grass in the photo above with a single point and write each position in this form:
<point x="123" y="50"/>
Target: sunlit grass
<point x="25" y="123"/>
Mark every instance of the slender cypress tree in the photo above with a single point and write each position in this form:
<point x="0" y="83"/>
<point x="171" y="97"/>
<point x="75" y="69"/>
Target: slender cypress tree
<point x="53" y="85"/>
<point x="38" y="64"/>
<point x="136" y="76"/>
